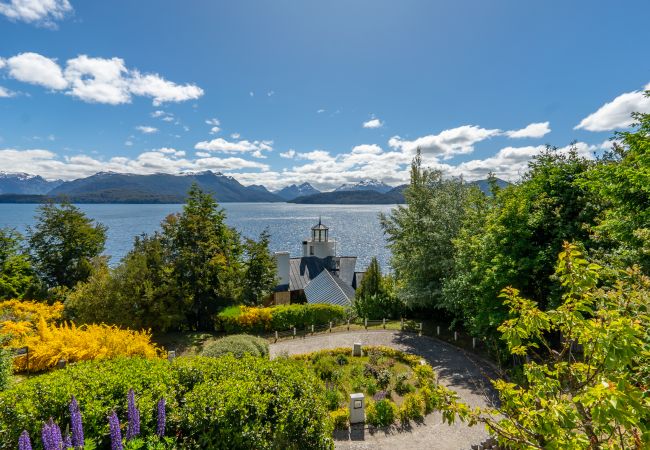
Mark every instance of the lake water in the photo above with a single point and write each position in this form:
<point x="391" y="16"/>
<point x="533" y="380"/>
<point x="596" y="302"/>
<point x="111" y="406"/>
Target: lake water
<point x="355" y="227"/>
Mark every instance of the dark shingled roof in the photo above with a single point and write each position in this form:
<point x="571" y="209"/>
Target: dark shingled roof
<point x="303" y="270"/>
<point x="328" y="288"/>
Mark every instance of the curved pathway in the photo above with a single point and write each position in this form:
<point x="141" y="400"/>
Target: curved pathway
<point x="457" y="370"/>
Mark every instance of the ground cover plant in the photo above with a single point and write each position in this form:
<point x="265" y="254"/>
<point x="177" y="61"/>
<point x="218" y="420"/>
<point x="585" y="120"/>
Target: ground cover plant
<point x="238" y="345"/>
<point x="396" y="384"/>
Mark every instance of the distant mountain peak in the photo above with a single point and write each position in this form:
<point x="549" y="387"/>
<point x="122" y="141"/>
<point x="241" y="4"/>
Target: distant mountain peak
<point x="368" y="184"/>
<point x="291" y="192"/>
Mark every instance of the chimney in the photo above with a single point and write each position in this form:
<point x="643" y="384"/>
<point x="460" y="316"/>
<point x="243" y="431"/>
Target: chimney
<point x="282" y="262"/>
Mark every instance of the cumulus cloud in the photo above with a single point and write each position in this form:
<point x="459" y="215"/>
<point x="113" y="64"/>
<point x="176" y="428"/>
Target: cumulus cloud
<point x="36" y="69"/>
<point x="289" y="154"/>
<point x="146" y="129"/>
<point x="255" y="148"/>
<point x="235" y="135"/>
<point x="448" y="143"/>
<point x="534" y="130"/>
<point x="617" y="113"/>
<point x="165" y="160"/>
<point x="38" y="12"/>
<point x="98" y="80"/>
<point x="373" y="123"/>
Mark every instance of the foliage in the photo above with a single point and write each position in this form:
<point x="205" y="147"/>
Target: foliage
<point x="211" y="402"/>
<point x="5" y="368"/>
<point x="238" y="345"/>
<point x="382" y="413"/>
<point x="584" y="390"/>
<point x="340" y="418"/>
<point x="281" y="317"/>
<point x="260" y="272"/>
<point x="140" y="293"/>
<point x="17" y="277"/>
<point x="420" y="234"/>
<point x="376" y="298"/>
<point x="205" y="257"/>
<point x="371" y="282"/>
<point x="20" y="318"/>
<point x="622" y="180"/>
<point x="412" y="408"/>
<point x="63" y="243"/>
<point x="70" y="343"/>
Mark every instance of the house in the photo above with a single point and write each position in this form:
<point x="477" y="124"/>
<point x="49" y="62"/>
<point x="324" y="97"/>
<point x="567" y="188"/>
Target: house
<point x="318" y="276"/>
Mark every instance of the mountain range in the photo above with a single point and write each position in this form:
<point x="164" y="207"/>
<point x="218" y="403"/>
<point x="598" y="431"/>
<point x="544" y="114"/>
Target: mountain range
<point x="111" y="187"/>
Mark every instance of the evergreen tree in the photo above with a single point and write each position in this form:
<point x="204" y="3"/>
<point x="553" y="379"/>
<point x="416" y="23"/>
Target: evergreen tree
<point x="63" y="243"/>
<point x="260" y="273"/>
<point x="371" y="283"/>
<point x="17" y="276"/>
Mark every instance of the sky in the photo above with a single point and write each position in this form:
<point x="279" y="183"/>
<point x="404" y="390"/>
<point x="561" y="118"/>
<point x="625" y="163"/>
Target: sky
<point x="277" y="92"/>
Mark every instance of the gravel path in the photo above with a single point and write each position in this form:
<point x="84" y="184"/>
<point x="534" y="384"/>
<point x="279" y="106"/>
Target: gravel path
<point x="456" y="370"/>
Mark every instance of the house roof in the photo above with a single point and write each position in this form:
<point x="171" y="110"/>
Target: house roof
<point x="303" y="270"/>
<point x="328" y="288"/>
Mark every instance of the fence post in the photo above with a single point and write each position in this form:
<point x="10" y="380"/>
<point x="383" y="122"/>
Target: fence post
<point x="365" y="323"/>
<point x="401" y="324"/>
<point x="312" y="329"/>
<point x="294" y="332"/>
<point x="276" y="335"/>
<point x="330" y="326"/>
<point x="455" y="335"/>
<point x="438" y="330"/>
<point x="474" y="343"/>
<point x="348" y="324"/>
<point x="420" y="331"/>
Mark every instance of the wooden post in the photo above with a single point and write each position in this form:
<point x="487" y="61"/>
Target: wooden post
<point x="330" y="326"/>
<point x="474" y="343"/>
<point x="348" y="324"/>
<point x="365" y="323"/>
<point x="294" y="332"/>
<point x="312" y="329"/>
<point x="401" y="324"/>
<point x="455" y="335"/>
<point x="384" y="324"/>
<point x="276" y="335"/>
<point x="420" y="332"/>
<point x="438" y="330"/>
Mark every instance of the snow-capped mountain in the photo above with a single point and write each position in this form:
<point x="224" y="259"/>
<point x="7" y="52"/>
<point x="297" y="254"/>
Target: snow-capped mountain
<point x="365" y="185"/>
<point x="25" y="183"/>
<point x="291" y="192"/>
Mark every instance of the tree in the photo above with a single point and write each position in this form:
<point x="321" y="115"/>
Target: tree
<point x="420" y="234"/>
<point x="376" y="297"/>
<point x="63" y="243"/>
<point x="205" y="257"/>
<point x="371" y="281"/>
<point x="588" y="391"/>
<point x="260" y="271"/>
<point x="17" y="277"/>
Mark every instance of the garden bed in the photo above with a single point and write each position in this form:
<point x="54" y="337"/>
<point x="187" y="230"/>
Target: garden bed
<point x="399" y="387"/>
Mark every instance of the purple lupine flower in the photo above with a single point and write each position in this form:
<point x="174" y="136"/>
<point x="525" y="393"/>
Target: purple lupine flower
<point x="134" y="417"/>
<point x="67" y="442"/>
<point x="162" y="418"/>
<point x="51" y="435"/>
<point x="23" y="441"/>
<point x="116" y="434"/>
<point x="75" y="424"/>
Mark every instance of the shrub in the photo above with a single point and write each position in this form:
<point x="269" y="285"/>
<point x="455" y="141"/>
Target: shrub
<point x="5" y="368"/>
<point x="340" y="418"/>
<point x="333" y="398"/>
<point x="282" y="317"/>
<point x="211" y="402"/>
<point x="327" y="368"/>
<point x="401" y="384"/>
<point x="342" y="360"/>
<point x="382" y="413"/>
<point x="70" y="343"/>
<point x="429" y="398"/>
<point x="383" y="378"/>
<point x="21" y="318"/>
<point x="412" y="408"/>
<point x="238" y="345"/>
<point x="424" y="374"/>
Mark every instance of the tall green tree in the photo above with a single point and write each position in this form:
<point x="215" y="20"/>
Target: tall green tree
<point x="260" y="271"/>
<point x="17" y="277"/>
<point x="622" y="180"/>
<point x="205" y="256"/>
<point x="420" y="234"/>
<point x="371" y="284"/>
<point x="63" y="243"/>
<point x="376" y="298"/>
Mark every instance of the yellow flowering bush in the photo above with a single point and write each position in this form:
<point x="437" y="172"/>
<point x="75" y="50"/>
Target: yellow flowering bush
<point x="70" y="343"/>
<point x="19" y="318"/>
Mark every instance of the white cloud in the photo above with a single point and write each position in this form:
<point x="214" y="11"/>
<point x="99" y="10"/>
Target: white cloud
<point x="214" y="121"/>
<point x="36" y="69"/>
<point x="98" y="80"/>
<point x="168" y="119"/>
<point x="373" y="123"/>
<point x="270" y="93"/>
<point x="289" y="154"/>
<point x="320" y="111"/>
<point x="215" y="130"/>
<point x="448" y="143"/>
<point x="146" y="129"/>
<point x="255" y="148"/>
<point x="165" y="160"/>
<point x="128" y="143"/>
<point x="235" y="135"/>
<point x="617" y="113"/>
<point x="38" y="12"/>
<point x="533" y="130"/>
<point x="6" y="93"/>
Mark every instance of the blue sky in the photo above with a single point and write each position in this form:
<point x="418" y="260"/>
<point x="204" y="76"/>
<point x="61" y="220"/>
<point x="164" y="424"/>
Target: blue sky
<point x="277" y="92"/>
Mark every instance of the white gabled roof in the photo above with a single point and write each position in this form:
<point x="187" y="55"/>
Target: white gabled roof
<point x="328" y="288"/>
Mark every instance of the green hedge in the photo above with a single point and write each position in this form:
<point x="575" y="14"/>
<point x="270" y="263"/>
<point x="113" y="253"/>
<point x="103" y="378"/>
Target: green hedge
<point x="211" y="402"/>
<point x="282" y="317"/>
<point x="238" y="345"/>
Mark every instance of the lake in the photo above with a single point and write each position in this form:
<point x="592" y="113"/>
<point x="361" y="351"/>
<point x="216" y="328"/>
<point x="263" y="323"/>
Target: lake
<point x="355" y="227"/>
